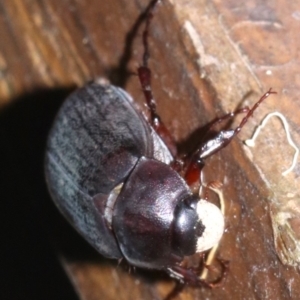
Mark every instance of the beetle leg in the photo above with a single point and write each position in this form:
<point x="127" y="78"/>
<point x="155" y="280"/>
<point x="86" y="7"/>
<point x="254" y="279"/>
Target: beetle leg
<point x="190" y="277"/>
<point x="144" y="74"/>
<point x="193" y="163"/>
<point x="178" y="288"/>
<point x="224" y="118"/>
<point x="209" y="147"/>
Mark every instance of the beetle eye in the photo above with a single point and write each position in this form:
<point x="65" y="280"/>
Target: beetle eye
<point x="212" y="220"/>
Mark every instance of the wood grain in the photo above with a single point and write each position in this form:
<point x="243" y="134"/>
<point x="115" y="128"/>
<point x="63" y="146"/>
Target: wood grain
<point x="207" y="58"/>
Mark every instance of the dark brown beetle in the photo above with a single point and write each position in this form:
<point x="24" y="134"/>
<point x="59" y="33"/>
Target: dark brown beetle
<point x="115" y="177"/>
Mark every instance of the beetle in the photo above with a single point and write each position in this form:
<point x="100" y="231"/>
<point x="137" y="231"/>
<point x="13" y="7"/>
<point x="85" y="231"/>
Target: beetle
<point x="118" y="180"/>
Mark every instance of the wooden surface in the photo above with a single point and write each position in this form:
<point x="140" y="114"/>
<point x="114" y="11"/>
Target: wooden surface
<point x="207" y="58"/>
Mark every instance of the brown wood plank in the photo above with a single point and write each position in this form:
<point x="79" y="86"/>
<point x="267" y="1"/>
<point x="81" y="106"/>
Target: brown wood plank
<point x="207" y="58"/>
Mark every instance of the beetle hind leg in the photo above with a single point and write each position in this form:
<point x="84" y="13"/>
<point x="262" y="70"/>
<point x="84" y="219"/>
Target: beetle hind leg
<point x="144" y="74"/>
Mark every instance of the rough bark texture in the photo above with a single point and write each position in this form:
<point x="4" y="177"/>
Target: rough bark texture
<point x="207" y="58"/>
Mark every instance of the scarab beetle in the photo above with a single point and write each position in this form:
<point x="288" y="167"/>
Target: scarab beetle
<point x="114" y="177"/>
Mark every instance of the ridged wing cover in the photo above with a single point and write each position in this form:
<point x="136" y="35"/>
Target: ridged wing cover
<point x="95" y="142"/>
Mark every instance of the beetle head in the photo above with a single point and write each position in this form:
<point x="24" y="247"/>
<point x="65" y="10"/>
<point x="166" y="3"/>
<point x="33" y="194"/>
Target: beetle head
<point x="212" y="220"/>
<point x="198" y="226"/>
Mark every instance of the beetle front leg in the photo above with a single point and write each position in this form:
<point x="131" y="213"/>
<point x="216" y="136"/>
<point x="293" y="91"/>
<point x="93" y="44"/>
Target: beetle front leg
<point x="195" y="163"/>
<point x="190" y="277"/>
<point x="144" y="74"/>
